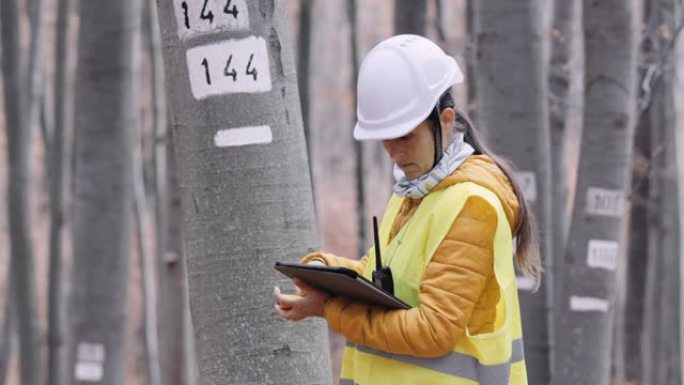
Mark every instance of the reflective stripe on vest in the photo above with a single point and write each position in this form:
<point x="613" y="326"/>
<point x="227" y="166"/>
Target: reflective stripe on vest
<point x="457" y="364"/>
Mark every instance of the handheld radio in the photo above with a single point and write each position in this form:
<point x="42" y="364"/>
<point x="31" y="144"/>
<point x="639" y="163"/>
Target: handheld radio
<point x="382" y="276"/>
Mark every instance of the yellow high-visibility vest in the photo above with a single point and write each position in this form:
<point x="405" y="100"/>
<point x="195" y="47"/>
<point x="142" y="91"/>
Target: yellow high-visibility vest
<point x="494" y="358"/>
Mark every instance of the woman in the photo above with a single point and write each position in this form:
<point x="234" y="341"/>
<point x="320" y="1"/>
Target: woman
<point x="446" y="236"/>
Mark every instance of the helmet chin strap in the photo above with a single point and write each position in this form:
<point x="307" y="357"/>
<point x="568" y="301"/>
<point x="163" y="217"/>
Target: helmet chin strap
<point x="437" y="133"/>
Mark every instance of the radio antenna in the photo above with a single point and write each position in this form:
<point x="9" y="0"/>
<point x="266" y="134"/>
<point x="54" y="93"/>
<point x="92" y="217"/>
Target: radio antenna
<point x="378" y="258"/>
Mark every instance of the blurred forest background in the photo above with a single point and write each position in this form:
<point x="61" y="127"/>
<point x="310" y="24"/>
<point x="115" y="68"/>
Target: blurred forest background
<point x="585" y="97"/>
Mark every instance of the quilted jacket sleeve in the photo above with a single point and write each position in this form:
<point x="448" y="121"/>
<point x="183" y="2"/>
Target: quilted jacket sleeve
<point x="334" y="260"/>
<point x="453" y="282"/>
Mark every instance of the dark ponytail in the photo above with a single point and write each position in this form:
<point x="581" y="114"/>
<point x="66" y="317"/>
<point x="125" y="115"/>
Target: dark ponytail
<point x="527" y="257"/>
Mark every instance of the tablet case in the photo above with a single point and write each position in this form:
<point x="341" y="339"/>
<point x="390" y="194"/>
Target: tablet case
<point x="341" y="281"/>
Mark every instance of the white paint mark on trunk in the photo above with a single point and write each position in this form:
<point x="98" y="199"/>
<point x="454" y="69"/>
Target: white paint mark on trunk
<point x="242" y="136"/>
<point x="524" y="283"/>
<point x="584" y="304"/>
<point x="232" y="66"/>
<point x="88" y="371"/>
<point x="528" y="184"/>
<point x="602" y="254"/>
<point x="200" y="17"/>
<point x="605" y="202"/>
<point x="90" y="360"/>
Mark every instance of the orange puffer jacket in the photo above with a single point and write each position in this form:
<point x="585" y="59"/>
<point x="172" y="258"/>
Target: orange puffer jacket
<point x="458" y="289"/>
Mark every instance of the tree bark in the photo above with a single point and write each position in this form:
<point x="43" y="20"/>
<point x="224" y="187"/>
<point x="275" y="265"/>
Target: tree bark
<point x="595" y="241"/>
<point x="410" y="16"/>
<point x="678" y="96"/>
<point x="106" y="114"/>
<point x="664" y="20"/>
<point x="19" y="113"/>
<point x="245" y="189"/>
<point x="147" y="267"/>
<point x="513" y="110"/>
<point x="303" y="72"/>
<point x="59" y="153"/>
<point x="359" y="174"/>
<point x="174" y="285"/>
<point x="471" y="59"/>
<point x="564" y="102"/>
<point x="171" y="305"/>
<point x="638" y="259"/>
<point x="439" y="24"/>
<point x="8" y="326"/>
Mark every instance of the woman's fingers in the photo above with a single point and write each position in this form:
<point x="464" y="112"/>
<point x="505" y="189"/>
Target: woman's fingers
<point x="285" y="300"/>
<point x="306" y="303"/>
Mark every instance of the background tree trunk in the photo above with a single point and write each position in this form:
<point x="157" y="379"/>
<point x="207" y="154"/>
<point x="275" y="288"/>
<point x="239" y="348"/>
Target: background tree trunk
<point x="663" y="21"/>
<point x="174" y="286"/>
<point x="359" y="174"/>
<point x="59" y="154"/>
<point x="595" y="240"/>
<point x="679" y="105"/>
<point x="106" y="111"/>
<point x="246" y="201"/>
<point x="511" y="35"/>
<point x="19" y="108"/>
<point x="303" y="73"/>
<point x="172" y="293"/>
<point x="565" y="104"/>
<point x="410" y="17"/>
<point x="147" y="267"/>
<point x="8" y="336"/>
<point x="638" y="256"/>
<point x="471" y="59"/>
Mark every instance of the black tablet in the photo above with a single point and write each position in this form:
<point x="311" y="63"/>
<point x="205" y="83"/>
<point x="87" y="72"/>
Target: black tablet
<point x="341" y="281"/>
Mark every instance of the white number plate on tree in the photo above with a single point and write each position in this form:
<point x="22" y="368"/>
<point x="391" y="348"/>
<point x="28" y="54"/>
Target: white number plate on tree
<point x="602" y="254"/>
<point x="196" y="17"/>
<point x="231" y="66"/>
<point x="605" y="202"/>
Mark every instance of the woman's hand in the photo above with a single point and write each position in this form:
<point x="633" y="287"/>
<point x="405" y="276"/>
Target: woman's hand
<point x="308" y="302"/>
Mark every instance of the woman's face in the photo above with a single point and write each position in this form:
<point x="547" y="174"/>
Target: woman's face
<point x="414" y="152"/>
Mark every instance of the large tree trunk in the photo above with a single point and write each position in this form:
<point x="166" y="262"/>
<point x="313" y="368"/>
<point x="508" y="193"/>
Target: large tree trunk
<point x="106" y="111"/>
<point x="511" y="35"/>
<point x="245" y="188"/>
<point x="595" y="241"/>
<point x="19" y="119"/>
<point x="59" y="153"/>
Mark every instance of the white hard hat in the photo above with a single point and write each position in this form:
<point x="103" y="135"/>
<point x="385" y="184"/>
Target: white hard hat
<point x="400" y="82"/>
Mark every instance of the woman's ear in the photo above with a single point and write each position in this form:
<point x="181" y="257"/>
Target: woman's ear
<point x="446" y="118"/>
